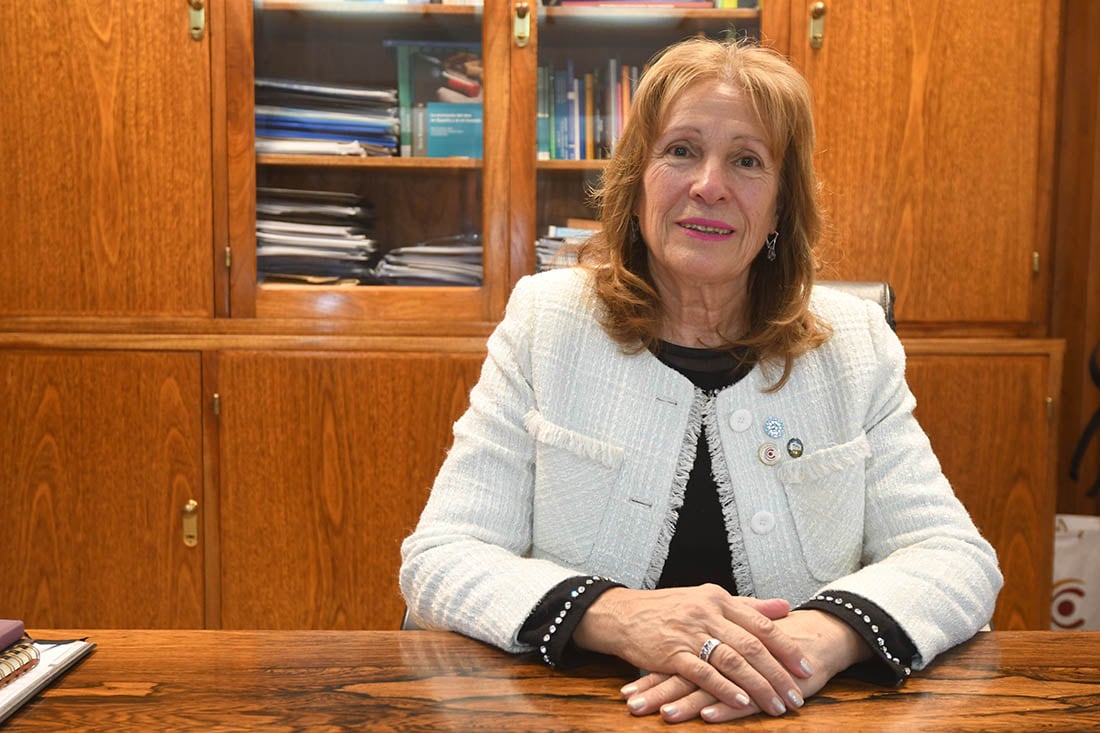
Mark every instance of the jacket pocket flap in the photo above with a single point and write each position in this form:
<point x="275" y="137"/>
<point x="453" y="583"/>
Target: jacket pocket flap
<point x="819" y="464"/>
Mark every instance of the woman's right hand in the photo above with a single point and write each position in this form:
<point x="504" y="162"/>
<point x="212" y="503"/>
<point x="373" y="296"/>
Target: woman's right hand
<point x="664" y="630"/>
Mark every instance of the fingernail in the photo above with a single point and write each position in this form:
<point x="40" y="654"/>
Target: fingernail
<point x="709" y="713"/>
<point x="629" y="690"/>
<point x="806" y="667"/>
<point x="669" y="711"/>
<point x="795" y="698"/>
<point x="743" y="699"/>
<point x="778" y="707"/>
<point x="636" y="703"/>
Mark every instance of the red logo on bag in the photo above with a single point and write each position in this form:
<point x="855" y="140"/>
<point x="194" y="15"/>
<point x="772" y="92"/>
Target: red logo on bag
<point x="1069" y="596"/>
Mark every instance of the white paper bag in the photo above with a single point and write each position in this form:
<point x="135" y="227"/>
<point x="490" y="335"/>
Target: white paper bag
<point x="1076" y="602"/>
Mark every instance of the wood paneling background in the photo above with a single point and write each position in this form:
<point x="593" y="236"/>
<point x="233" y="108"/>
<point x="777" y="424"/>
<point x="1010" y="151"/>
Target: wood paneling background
<point x="99" y="452"/>
<point x="995" y="448"/>
<point x="327" y="460"/>
<point x="105" y="154"/>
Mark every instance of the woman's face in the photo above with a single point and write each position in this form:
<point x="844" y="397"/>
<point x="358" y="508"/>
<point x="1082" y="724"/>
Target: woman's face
<point x="709" y="191"/>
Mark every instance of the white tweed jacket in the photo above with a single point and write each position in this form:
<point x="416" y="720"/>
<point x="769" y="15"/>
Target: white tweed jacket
<point x="572" y="459"/>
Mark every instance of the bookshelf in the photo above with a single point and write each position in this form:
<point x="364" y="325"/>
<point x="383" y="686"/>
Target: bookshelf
<point x="284" y="36"/>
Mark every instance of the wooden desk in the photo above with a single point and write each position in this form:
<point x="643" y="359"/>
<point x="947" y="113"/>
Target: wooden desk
<point x="424" y="680"/>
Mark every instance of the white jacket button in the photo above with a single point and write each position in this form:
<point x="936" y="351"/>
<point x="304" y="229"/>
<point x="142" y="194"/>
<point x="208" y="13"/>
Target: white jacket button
<point x="762" y="522"/>
<point x="741" y="420"/>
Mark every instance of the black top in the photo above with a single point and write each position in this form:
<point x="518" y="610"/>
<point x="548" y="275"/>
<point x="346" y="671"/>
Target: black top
<point x="699" y="553"/>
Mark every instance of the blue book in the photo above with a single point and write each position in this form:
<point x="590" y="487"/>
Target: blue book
<point x="571" y="97"/>
<point x="561" y="115"/>
<point x="542" y="116"/>
<point x="432" y="71"/>
<point x="454" y="130"/>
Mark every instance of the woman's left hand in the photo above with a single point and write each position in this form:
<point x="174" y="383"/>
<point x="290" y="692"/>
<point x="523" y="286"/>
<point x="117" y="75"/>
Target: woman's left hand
<point x="831" y="646"/>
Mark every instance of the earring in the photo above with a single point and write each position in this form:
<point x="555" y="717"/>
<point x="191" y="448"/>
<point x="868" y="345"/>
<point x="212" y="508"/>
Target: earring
<point x="769" y="242"/>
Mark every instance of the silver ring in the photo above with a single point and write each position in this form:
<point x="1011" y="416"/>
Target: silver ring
<point x="708" y="648"/>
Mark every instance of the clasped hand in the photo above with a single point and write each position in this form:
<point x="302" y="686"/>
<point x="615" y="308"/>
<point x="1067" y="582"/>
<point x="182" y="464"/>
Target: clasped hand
<point x="762" y="664"/>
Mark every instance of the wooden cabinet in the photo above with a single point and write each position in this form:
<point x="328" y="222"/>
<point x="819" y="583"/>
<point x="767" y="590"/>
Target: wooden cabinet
<point x="984" y="406"/>
<point x="99" y="453"/>
<point x="132" y="299"/>
<point x="326" y="462"/>
<point x="936" y="138"/>
<point x="414" y="199"/>
<point x="105" y="153"/>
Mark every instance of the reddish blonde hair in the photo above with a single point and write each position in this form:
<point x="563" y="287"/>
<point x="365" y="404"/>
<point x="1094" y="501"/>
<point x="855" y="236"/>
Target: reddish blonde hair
<point x="781" y="326"/>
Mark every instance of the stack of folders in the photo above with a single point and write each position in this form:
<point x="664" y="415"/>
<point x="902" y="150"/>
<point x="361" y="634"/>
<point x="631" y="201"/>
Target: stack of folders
<point x="305" y="118"/>
<point x="450" y="260"/>
<point x="28" y="665"/>
<point x="313" y="237"/>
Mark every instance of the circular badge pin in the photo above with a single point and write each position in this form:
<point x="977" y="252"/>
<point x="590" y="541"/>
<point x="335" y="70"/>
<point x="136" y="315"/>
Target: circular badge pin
<point x="794" y="447"/>
<point x="773" y="426"/>
<point x="768" y="454"/>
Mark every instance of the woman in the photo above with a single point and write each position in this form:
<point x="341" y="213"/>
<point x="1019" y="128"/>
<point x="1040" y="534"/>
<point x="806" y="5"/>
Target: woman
<point x="680" y="440"/>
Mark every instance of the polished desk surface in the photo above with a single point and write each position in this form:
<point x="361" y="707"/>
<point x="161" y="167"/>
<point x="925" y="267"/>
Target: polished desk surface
<point x="429" y="680"/>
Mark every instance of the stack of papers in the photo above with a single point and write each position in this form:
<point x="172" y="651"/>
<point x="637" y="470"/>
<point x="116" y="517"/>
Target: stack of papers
<point x="318" y="237"/>
<point x="305" y="118"/>
<point x="554" y="252"/>
<point x="452" y="260"/>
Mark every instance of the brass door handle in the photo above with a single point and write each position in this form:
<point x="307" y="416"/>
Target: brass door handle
<point x="521" y="24"/>
<point x="817" y="24"/>
<point x="190" y="523"/>
<point x="197" y="17"/>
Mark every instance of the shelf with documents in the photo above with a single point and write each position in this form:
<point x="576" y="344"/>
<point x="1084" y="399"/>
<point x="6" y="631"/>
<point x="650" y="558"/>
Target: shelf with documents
<point x="402" y="264"/>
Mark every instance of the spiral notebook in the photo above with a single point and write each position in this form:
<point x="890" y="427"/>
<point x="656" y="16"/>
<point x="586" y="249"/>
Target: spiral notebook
<point x="28" y="666"/>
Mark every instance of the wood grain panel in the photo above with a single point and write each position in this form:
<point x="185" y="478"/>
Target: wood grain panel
<point x="986" y="418"/>
<point x="327" y="460"/>
<point x="523" y="143"/>
<point x="496" y="43"/>
<point x="105" y="145"/>
<point x="98" y="454"/>
<point x="934" y="121"/>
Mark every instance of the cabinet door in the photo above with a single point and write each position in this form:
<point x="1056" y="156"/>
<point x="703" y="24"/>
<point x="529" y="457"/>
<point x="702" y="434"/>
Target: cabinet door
<point x="99" y="453"/>
<point x="424" y="200"/>
<point x="327" y="459"/>
<point x="983" y="405"/>
<point x="935" y="125"/>
<point x="105" y="154"/>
